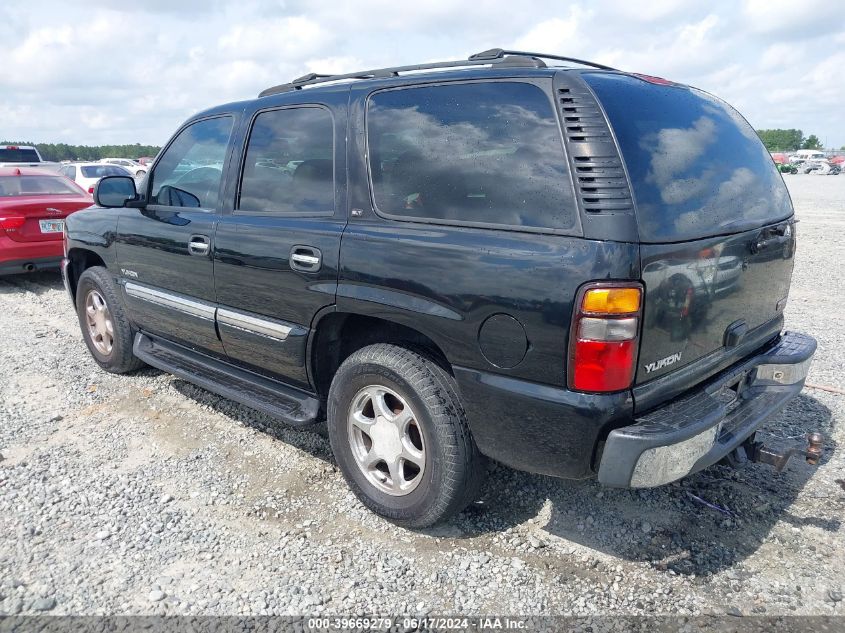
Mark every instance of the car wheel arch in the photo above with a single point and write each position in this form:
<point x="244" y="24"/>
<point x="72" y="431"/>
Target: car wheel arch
<point x="80" y="260"/>
<point x="337" y="335"/>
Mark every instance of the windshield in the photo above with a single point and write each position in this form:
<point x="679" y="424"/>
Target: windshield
<point x="36" y="185"/>
<point x="697" y="167"/>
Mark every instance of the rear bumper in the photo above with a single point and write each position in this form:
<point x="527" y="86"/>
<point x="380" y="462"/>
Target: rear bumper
<point x="701" y="427"/>
<point x="27" y="257"/>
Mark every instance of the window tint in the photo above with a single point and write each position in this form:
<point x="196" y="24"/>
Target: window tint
<point x="698" y="169"/>
<point x="36" y="185"/>
<point x="18" y="155"/>
<point x="99" y="171"/>
<point x="191" y="168"/>
<point x="288" y="166"/>
<point x="487" y="152"/>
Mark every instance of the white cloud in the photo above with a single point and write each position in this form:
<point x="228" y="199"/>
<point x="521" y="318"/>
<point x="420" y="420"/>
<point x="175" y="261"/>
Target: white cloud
<point x="793" y="20"/>
<point x="127" y="72"/>
<point x="554" y="34"/>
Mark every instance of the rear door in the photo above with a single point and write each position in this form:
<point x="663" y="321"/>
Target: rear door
<point x="277" y="249"/>
<point x="165" y="249"/>
<point x="715" y="225"/>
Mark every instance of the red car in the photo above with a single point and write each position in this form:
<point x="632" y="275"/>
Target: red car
<point x="33" y="206"/>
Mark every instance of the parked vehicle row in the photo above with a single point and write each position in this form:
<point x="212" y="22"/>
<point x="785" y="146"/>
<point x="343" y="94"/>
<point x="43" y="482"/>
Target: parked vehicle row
<point x="573" y="270"/>
<point x="808" y="162"/>
<point x="35" y="198"/>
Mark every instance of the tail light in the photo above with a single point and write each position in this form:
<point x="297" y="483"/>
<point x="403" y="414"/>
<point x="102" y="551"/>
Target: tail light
<point x="11" y="223"/>
<point x="605" y="337"/>
<point x="91" y="189"/>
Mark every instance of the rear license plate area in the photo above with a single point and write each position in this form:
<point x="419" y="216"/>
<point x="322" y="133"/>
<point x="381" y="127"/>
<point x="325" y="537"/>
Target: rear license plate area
<point x="51" y="226"/>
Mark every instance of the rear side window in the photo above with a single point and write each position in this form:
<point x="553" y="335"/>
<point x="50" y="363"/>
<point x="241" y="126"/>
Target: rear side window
<point x="289" y="166"/>
<point x="486" y="153"/>
<point x="697" y="167"/>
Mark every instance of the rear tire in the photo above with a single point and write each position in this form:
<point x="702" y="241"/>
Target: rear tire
<point x="105" y="326"/>
<point x="416" y="464"/>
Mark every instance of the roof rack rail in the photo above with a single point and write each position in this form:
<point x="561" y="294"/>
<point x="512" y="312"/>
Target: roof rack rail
<point x="499" y="53"/>
<point x="494" y="56"/>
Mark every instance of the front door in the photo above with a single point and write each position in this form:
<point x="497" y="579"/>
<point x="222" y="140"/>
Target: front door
<point x="165" y="249"/>
<point x="276" y="254"/>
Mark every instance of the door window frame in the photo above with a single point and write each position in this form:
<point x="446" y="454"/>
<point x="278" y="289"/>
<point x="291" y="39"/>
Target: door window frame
<point x="149" y="181"/>
<point x="245" y="149"/>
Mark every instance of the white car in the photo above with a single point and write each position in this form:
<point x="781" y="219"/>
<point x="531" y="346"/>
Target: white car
<point x="86" y="175"/>
<point x="135" y="167"/>
<point x="809" y="154"/>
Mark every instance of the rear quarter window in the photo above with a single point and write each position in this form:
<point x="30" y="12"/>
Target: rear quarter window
<point x="484" y="153"/>
<point x="697" y="167"/>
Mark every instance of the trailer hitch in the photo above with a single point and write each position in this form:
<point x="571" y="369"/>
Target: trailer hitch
<point x="758" y="452"/>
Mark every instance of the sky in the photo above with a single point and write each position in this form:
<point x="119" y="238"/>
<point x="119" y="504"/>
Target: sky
<point x="112" y="71"/>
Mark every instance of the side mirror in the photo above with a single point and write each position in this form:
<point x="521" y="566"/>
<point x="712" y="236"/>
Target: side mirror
<point x="115" y="191"/>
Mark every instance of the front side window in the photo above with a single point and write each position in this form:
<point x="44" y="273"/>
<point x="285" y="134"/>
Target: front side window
<point x="191" y="168"/>
<point x="486" y="152"/>
<point x="288" y="168"/>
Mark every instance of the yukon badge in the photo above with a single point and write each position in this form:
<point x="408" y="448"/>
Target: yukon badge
<point x="663" y="362"/>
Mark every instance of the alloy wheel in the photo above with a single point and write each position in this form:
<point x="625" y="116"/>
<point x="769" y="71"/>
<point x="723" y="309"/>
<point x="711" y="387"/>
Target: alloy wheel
<point x="386" y="440"/>
<point x="99" y="321"/>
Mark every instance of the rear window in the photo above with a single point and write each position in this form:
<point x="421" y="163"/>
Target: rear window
<point x="697" y="167"/>
<point x="18" y="155"/>
<point x="487" y="153"/>
<point x="99" y="171"/>
<point x="35" y="185"/>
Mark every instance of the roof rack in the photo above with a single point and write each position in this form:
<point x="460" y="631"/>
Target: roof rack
<point x="498" y="53"/>
<point x="495" y="56"/>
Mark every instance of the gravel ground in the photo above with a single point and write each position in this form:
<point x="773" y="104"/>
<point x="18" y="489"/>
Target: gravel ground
<point x="143" y="494"/>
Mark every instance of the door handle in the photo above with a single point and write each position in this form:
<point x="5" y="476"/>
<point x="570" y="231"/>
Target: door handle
<point x="305" y="258"/>
<point x="199" y="245"/>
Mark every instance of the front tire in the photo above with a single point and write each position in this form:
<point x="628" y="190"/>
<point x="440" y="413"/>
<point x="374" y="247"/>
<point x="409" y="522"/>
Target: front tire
<point x="105" y="327"/>
<point x="400" y="436"/>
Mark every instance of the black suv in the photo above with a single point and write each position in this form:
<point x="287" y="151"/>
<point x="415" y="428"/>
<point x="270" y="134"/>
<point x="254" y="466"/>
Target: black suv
<point x="570" y="269"/>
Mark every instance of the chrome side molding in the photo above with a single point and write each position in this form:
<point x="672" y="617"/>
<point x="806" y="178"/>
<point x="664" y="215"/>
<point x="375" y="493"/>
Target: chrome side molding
<point x="255" y="325"/>
<point x="176" y="302"/>
<point x="232" y="318"/>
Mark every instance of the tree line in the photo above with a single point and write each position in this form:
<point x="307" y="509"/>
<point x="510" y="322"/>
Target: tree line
<point x="788" y="140"/>
<point x="62" y="151"/>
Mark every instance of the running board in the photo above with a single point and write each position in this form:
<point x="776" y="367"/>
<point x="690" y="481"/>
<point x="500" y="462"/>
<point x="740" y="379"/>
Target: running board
<point x="290" y="405"/>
